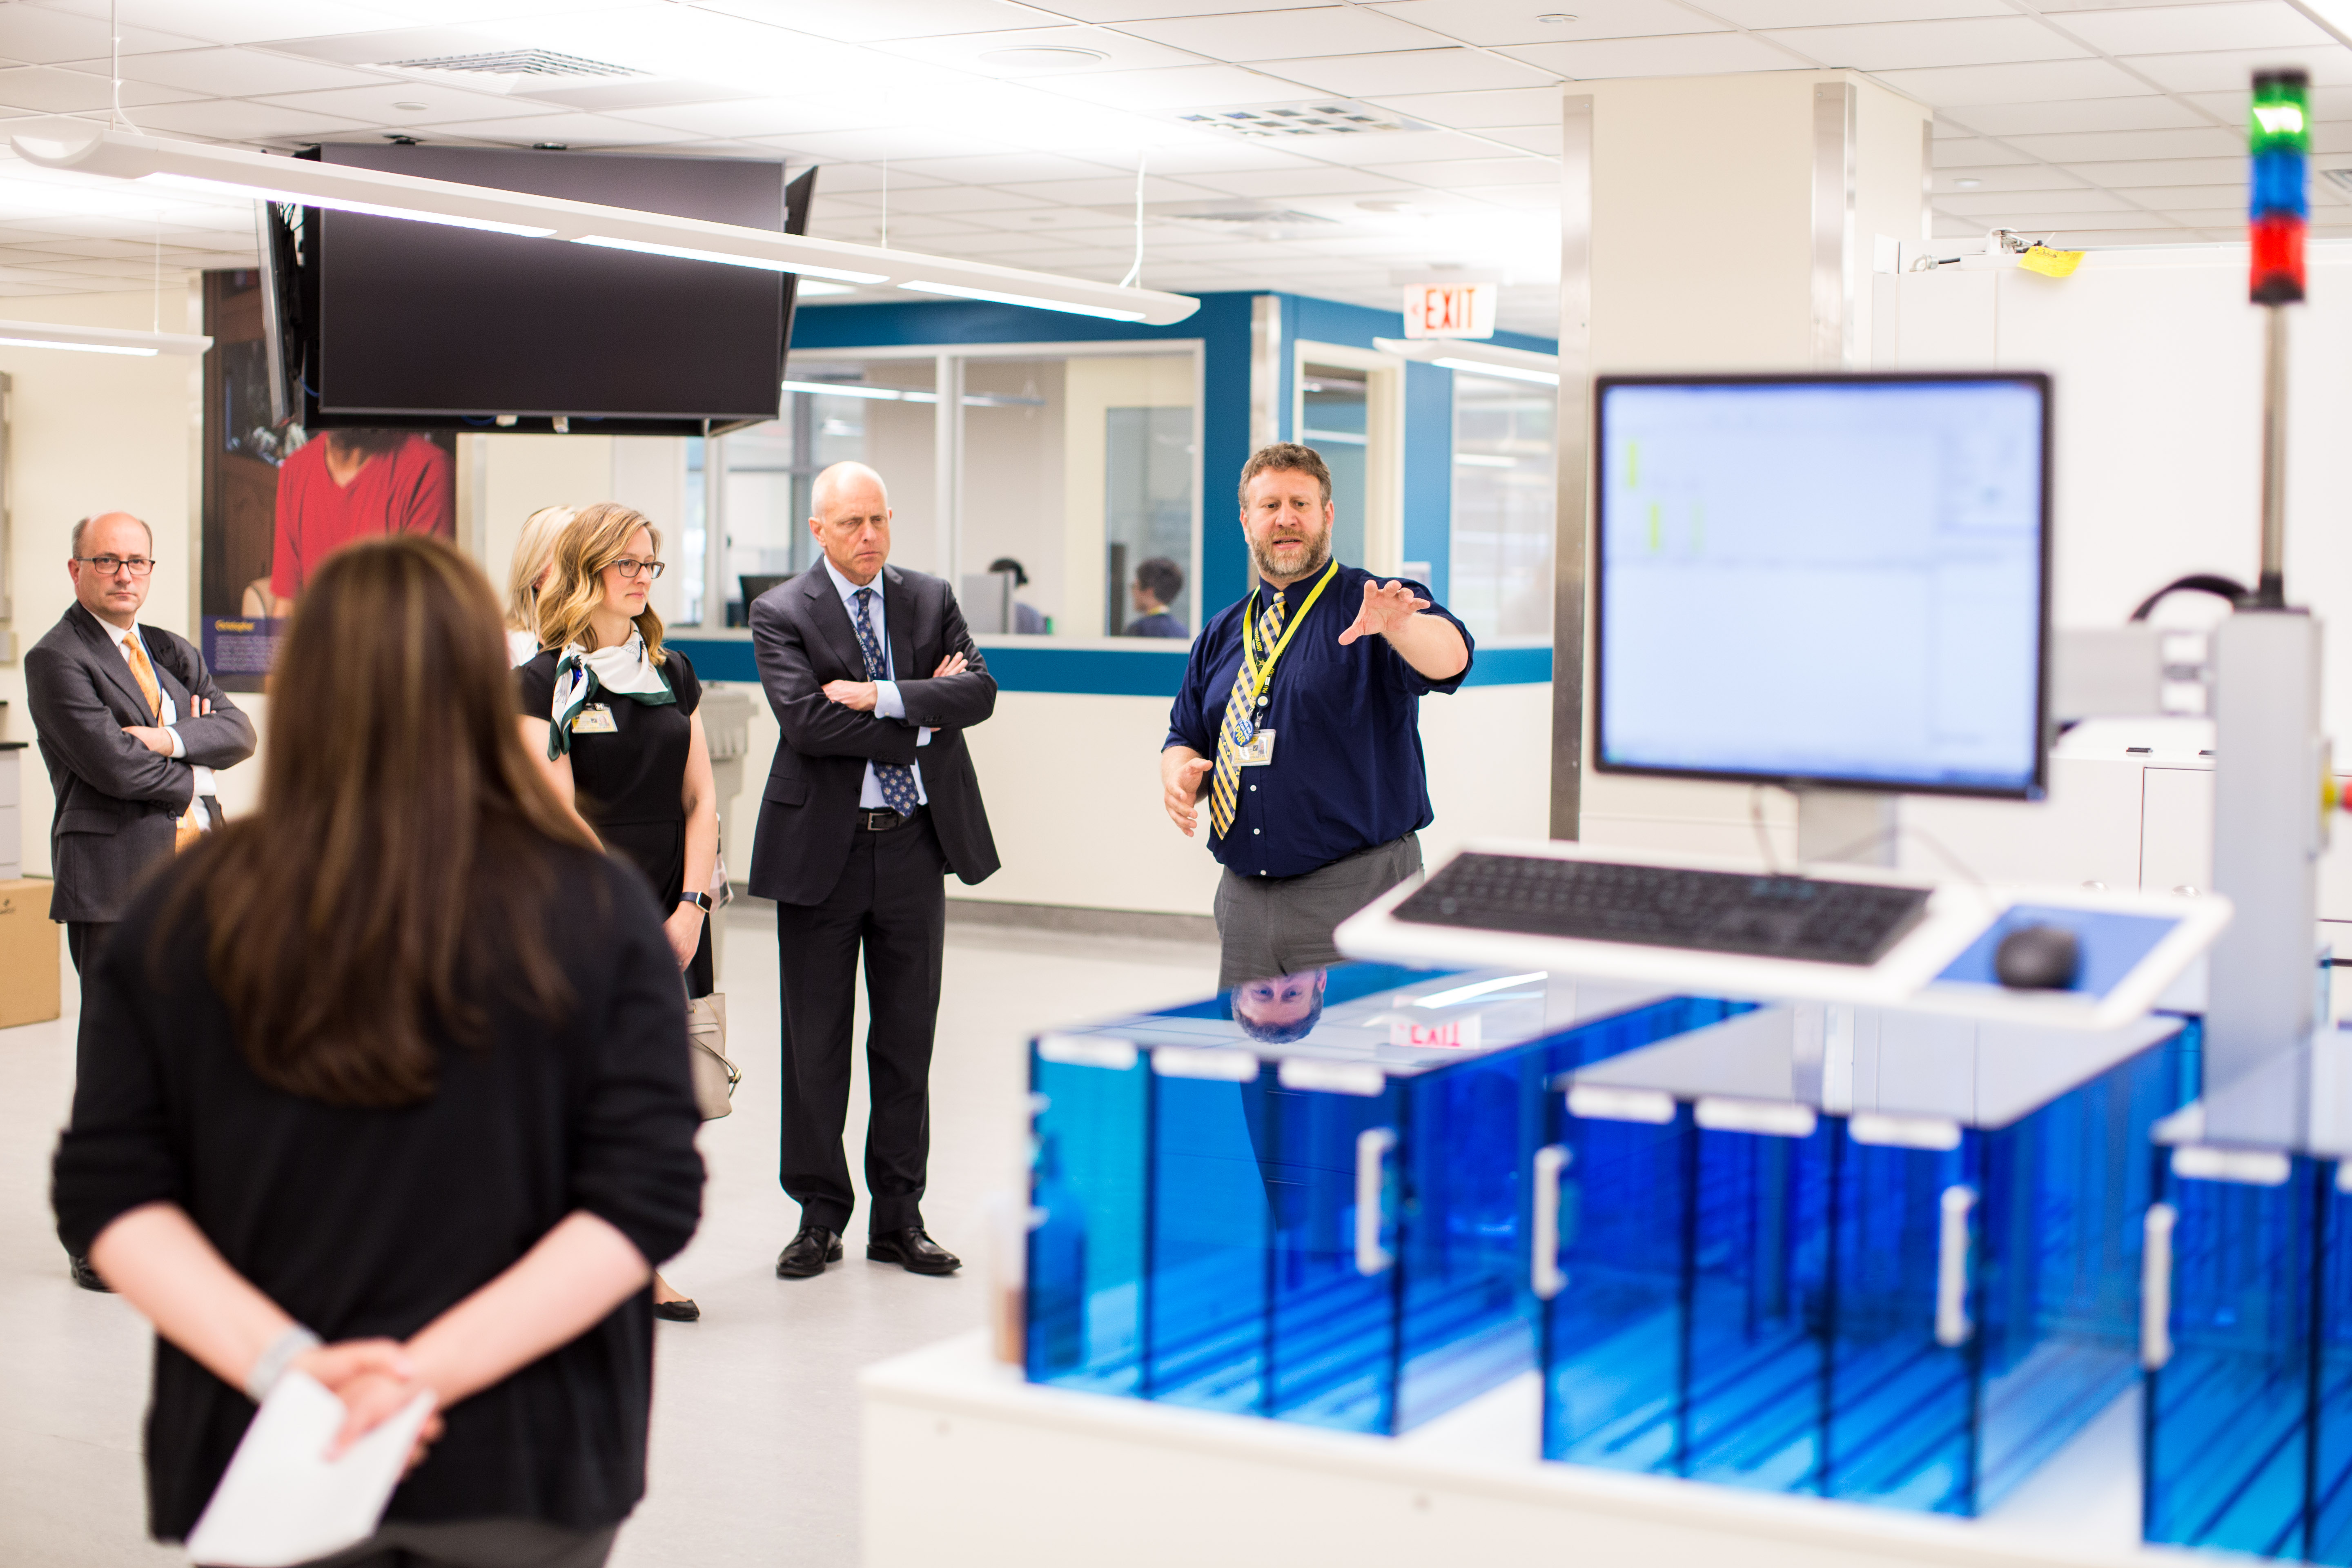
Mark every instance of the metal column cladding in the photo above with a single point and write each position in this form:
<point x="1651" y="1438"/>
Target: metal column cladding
<point x="1571" y="538"/>
<point x="1836" y="105"/>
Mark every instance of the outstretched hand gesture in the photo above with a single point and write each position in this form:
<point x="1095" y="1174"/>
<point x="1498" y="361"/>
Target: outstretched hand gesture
<point x="1386" y="607"/>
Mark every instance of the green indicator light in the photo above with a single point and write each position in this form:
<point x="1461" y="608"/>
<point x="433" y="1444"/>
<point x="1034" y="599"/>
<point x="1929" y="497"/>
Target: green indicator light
<point x="2281" y="118"/>
<point x="1657" y="526"/>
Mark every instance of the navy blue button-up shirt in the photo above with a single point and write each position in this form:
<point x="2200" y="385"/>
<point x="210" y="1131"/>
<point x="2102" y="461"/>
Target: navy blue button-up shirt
<point x="1347" y="773"/>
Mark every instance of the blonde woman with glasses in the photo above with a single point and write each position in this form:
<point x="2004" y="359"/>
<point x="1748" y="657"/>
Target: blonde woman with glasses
<point x="615" y="716"/>
<point x="535" y="558"/>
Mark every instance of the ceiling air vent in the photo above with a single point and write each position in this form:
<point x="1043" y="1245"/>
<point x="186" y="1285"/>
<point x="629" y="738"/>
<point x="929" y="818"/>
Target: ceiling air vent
<point x="518" y="62"/>
<point x="1314" y="117"/>
<point x="1245" y="219"/>
<point x="2342" y="178"/>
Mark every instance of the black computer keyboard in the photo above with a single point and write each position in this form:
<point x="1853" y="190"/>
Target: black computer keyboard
<point x="1808" y="918"/>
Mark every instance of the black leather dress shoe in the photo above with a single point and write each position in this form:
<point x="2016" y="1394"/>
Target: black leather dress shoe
<point x="682" y="1311"/>
<point x="911" y="1250"/>
<point x="806" y="1254"/>
<point x="85" y="1276"/>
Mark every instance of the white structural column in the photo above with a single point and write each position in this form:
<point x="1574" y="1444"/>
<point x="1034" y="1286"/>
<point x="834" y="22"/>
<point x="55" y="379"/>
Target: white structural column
<point x="1722" y="223"/>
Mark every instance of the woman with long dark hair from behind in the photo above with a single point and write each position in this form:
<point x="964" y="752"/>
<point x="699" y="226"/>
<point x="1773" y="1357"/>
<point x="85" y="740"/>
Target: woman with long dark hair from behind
<point x="617" y="718"/>
<point x="388" y="1084"/>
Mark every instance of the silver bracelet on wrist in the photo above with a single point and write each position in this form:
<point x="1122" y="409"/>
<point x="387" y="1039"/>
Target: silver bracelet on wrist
<point x="275" y="1358"/>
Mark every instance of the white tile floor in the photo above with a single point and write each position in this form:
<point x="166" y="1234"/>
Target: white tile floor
<point x="755" y="1428"/>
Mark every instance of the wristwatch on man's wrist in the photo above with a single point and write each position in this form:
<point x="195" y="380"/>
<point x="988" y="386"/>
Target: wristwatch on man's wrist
<point x="699" y="901"/>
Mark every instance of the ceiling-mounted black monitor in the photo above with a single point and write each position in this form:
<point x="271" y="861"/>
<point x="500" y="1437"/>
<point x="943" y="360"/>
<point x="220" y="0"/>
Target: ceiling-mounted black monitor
<point x="394" y="324"/>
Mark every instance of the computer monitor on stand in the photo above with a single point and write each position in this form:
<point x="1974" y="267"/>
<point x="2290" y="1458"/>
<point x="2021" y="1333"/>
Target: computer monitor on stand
<point x="1837" y="584"/>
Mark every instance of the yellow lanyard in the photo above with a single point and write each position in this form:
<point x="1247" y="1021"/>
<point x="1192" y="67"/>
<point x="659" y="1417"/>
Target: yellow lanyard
<point x="1263" y="672"/>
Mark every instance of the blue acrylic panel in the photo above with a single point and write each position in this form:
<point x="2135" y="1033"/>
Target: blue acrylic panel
<point x="2331" y="1469"/>
<point x="1900" y="1399"/>
<point x="1083" y="1300"/>
<point x="1333" y="1309"/>
<point x="1758" y="1305"/>
<point x="1612" y="1340"/>
<point x="1208" y="1251"/>
<point x="2228" y="1414"/>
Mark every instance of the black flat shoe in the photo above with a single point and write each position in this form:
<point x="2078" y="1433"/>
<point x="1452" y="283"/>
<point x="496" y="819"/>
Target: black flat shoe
<point x="679" y="1311"/>
<point x="911" y="1250"/>
<point x="805" y="1255"/>
<point x="86" y="1277"/>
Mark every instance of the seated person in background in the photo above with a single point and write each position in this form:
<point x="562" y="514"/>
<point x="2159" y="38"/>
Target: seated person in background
<point x="1027" y="619"/>
<point x="1283" y="1008"/>
<point x="1156" y="582"/>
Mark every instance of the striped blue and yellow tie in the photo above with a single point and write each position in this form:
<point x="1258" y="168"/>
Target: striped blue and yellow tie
<point x="1224" y="780"/>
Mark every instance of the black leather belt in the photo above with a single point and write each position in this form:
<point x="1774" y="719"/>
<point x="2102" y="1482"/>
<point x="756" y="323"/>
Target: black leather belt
<point x="883" y="819"/>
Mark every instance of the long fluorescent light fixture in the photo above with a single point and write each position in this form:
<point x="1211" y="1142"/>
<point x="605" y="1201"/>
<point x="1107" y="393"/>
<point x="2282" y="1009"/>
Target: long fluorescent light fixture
<point x="1476" y="358"/>
<point x="100" y="339"/>
<point x="235" y="171"/>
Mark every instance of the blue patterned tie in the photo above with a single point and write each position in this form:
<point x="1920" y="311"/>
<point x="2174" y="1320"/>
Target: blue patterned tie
<point x="897" y="783"/>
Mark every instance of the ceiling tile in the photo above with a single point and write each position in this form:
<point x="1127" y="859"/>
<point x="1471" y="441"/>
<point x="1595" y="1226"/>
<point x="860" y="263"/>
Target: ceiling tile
<point x="1498" y="22"/>
<point x="1285" y="35"/>
<point x="1179" y="86"/>
<point x="2151" y="112"/>
<point x="2219" y="70"/>
<point x="969" y="51"/>
<point x="426" y="104"/>
<point x="849" y="179"/>
<point x="2173" y="29"/>
<point x="1470" y="173"/>
<point x="1901" y="46"/>
<point x="873" y="19"/>
<point x="752" y="116"/>
<point x="239" y="21"/>
<point x="1202" y="154"/>
<point x="232" y="73"/>
<point x="571" y="129"/>
<point x="960" y="199"/>
<point x="1281" y="183"/>
<point x="1398" y="147"/>
<point x="2009" y="177"/>
<point x="1098" y="192"/>
<point x="1477" y="111"/>
<point x="1541" y="139"/>
<point x="1842" y="13"/>
<point x="2120" y="144"/>
<point x="1141" y="10"/>
<point x="46" y="37"/>
<point x="1999" y="204"/>
<point x="49" y="90"/>
<point x="376" y="47"/>
<point x="2163" y="171"/>
<point x="1541" y="195"/>
<point x="1691" y="54"/>
<point x="2230" y="106"/>
<point x="1006" y="169"/>
<point x="1955" y="151"/>
<point x="869" y="146"/>
<point x="226" y="120"/>
<point x="2024" y="83"/>
<point x="2230" y="221"/>
<point x="1408" y="71"/>
<point x="2170" y="197"/>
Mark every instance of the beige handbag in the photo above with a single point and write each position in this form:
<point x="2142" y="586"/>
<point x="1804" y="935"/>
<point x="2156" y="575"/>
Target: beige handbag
<point x="715" y="1074"/>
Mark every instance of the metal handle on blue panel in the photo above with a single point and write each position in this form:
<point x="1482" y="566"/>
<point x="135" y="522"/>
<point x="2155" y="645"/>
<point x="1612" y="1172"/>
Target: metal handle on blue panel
<point x="1372" y="1146"/>
<point x="2156" y="1286"/>
<point x="1544" y="1272"/>
<point x="1952" y="1325"/>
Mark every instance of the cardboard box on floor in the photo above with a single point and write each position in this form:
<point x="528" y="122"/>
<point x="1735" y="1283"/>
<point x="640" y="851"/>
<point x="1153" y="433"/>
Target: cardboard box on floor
<point x="28" y="953"/>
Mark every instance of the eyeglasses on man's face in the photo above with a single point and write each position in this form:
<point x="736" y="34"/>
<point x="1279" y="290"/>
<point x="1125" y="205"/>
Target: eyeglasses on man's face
<point x="108" y="565"/>
<point x="629" y="566"/>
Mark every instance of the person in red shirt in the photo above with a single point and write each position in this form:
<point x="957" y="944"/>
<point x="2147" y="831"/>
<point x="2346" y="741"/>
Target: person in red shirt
<point x="353" y="484"/>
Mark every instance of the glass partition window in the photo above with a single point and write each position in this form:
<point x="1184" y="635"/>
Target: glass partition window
<point x="1335" y="407"/>
<point x="1504" y="433"/>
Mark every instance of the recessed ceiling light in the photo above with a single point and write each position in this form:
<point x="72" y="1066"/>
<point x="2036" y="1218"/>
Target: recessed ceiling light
<point x="1556" y="18"/>
<point x="413" y="108"/>
<point x="1968" y="184"/>
<point x="1043" y="57"/>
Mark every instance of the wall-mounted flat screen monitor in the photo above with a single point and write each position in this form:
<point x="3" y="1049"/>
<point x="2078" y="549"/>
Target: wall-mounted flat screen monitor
<point x="1824" y="579"/>
<point x="427" y="326"/>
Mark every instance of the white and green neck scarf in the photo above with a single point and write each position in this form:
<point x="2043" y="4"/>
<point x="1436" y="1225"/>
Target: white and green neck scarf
<point x="581" y="673"/>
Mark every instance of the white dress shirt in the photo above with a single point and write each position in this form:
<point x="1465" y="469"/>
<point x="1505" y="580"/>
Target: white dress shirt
<point x="124" y="641"/>
<point x="887" y="703"/>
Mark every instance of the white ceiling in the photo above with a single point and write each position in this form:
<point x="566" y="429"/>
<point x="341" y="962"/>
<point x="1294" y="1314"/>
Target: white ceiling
<point x="2088" y="122"/>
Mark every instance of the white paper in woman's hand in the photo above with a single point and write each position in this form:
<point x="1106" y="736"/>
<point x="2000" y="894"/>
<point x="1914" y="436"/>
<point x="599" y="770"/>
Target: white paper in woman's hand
<point x="282" y="1501"/>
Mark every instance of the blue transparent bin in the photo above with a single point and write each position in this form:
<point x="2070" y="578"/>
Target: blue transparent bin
<point x="1847" y="1253"/>
<point x="1306" y="1199"/>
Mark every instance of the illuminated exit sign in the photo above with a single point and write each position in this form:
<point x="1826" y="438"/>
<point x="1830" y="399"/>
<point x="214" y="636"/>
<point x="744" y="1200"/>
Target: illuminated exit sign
<point x="1449" y="310"/>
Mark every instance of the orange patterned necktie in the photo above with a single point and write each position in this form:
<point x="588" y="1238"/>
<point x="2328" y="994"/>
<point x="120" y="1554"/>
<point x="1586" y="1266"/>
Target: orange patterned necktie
<point x="190" y="826"/>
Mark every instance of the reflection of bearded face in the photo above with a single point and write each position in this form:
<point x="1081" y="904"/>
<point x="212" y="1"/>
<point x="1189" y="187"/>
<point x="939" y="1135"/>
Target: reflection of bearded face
<point x="1282" y="1009"/>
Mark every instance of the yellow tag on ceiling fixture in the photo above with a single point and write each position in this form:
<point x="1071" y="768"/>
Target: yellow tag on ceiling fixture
<point x="2050" y="263"/>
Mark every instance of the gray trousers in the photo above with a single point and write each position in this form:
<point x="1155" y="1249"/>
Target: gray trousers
<point x="1282" y="925"/>
<point x="478" y="1543"/>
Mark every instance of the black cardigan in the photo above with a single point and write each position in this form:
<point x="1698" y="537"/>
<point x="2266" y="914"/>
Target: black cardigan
<point x="363" y="1223"/>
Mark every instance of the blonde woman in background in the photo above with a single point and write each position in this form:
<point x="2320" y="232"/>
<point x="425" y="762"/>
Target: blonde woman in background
<point x="613" y="716"/>
<point x="534" y="556"/>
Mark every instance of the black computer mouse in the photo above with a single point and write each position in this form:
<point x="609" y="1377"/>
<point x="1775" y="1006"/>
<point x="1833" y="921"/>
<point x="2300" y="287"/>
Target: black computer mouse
<point x="2038" y="958"/>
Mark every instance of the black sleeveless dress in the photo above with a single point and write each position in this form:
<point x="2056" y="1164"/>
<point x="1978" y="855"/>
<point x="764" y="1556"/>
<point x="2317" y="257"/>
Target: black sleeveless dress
<point x="628" y="783"/>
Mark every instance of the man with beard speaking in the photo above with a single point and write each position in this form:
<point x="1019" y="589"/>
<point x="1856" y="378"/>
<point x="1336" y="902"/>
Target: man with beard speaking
<point x="1299" y="720"/>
